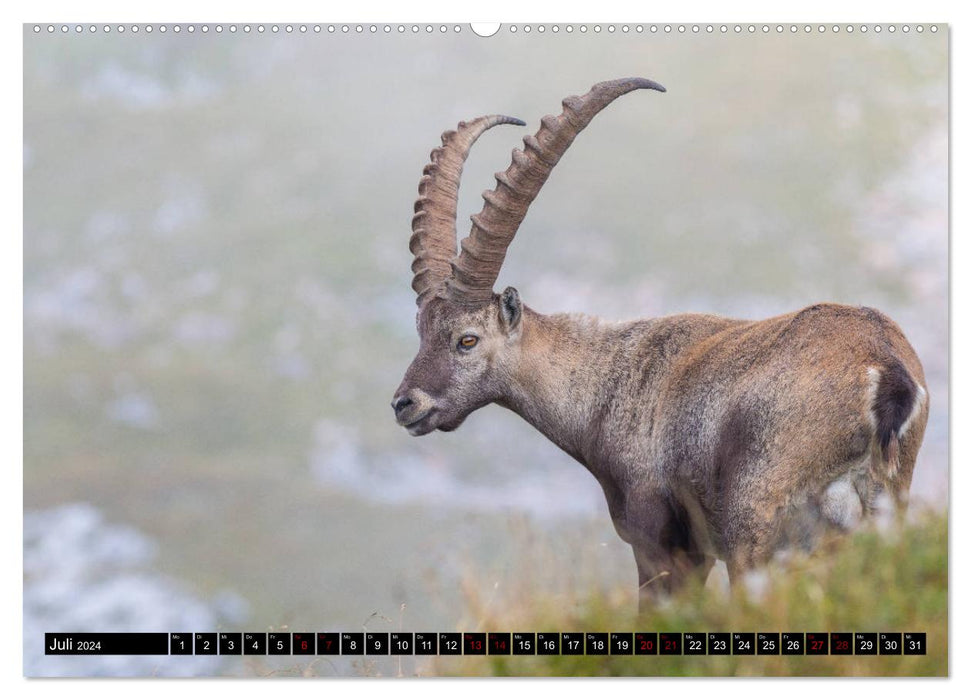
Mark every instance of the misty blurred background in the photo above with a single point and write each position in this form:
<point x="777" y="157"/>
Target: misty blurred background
<point x="217" y="302"/>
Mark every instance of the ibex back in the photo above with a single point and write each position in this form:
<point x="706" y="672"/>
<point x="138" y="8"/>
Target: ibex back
<point x="711" y="437"/>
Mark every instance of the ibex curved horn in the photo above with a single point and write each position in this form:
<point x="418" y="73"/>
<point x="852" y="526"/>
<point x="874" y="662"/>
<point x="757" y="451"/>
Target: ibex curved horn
<point x="475" y="270"/>
<point x="433" y="226"/>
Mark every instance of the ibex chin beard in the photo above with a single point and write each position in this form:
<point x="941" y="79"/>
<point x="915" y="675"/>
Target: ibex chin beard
<point x="711" y="437"/>
<point x="422" y="426"/>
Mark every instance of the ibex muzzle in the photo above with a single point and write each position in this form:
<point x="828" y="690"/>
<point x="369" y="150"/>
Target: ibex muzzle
<point x="711" y="437"/>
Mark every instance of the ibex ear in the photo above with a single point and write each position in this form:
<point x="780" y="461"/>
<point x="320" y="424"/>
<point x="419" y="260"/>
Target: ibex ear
<point x="510" y="308"/>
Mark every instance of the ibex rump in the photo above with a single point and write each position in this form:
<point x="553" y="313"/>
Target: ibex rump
<point x="711" y="437"/>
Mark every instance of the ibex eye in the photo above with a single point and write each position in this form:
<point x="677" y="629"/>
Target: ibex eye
<point x="467" y="341"/>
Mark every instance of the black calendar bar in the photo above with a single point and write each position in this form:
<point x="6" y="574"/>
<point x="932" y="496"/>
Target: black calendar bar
<point x="402" y="643"/>
<point x="106" y="643"/>
<point x="548" y="643"/>
<point x="230" y="643"/>
<point x="645" y="643"/>
<point x="768" y="643"/>
<point x="670" y="643"/>
<point x="840" y="643"/>
<point x="571" y="643"/>
<point x="328" y="643"/>
<point x="817" y="643"/>
<point x="500" y="643"/>
<point x="474" y="643"/>
<point x="694" y="644"/>
<point x="253" y="643"/>
<point x="304" y="643"/>
<point x="865" y="643"/>
<point x="278" y="644"/>
<point x="377" y="644"/>
<point x="450" y="644"/>
<point x="719" y="643"/>
<point x="205" y="644"/>
<point x="915" y="643"/>
<point x="488" y="643"/>
<point x="524" y="643"/>
<point x="426" y="643"/>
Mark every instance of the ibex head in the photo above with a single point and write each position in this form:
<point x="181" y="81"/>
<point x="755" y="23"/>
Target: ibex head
<point x="470" y="335"/>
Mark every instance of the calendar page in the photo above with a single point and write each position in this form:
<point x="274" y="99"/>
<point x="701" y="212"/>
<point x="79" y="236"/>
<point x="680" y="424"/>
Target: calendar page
<point x="545" y="349"/>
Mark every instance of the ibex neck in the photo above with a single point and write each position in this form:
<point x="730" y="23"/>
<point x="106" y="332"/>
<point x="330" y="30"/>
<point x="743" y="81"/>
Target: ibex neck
<point x="557" y="381"/>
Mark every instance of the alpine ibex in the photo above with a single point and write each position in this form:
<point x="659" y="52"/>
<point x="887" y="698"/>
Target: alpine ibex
<point x="711" y="437"/>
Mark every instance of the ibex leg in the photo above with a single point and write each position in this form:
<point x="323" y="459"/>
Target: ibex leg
<point x="666" y="553"/>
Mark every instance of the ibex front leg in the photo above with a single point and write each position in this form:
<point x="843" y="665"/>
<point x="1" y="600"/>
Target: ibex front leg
<point x="666" y="553"/>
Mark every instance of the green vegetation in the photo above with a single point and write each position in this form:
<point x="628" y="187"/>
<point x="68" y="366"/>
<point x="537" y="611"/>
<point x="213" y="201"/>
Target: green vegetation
<point x="867" y="583"/>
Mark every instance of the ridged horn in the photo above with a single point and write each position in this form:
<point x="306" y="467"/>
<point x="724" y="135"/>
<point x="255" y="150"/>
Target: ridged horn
<point x="477" y="266"/>
<point x="433" y="226"/>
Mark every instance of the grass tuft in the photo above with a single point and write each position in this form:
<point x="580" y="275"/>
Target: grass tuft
<point x="869" y="582"/>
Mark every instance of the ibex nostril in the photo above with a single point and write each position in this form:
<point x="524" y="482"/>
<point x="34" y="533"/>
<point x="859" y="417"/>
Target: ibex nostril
<point x="401" y="402"/>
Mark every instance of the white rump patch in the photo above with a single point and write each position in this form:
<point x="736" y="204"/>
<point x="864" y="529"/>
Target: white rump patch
<point x="918" y="405"/>
<point x="873" y="375"/>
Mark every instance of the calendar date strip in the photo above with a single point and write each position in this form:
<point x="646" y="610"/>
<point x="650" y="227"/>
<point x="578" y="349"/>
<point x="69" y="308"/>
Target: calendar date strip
<point x="487" y="643"/>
